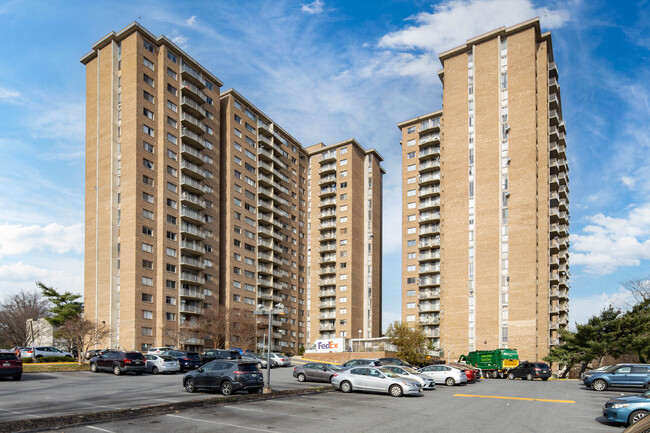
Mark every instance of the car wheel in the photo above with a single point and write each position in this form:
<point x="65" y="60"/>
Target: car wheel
<point x="544" y="379"/>
<point x="117" y="370"/>
<point x="450" y="381"/>
<point x="93" y="367"/>
<point x="529" y="376"/>
<point x="189" y="385"/>
<point x="226" y="387"/>
<point x="275" y="364"/>
<point x="647" y="386"/>
<point x="511" y="376"/>
<point x="259" y="366"/>
<point x="18" y="377"/>
<point x="636" y="416"/>
<point x="395" y="391"/>
<point x="599" y="385"/>
<point x="346" y="386"/>
<point x="301" y="377"/>
<point x="155" y="370"/>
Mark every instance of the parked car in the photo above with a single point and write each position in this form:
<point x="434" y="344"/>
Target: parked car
<point x="159" y="350"/>
<point x="627" y="410"/>
<point x="446" y="374"/>
<point x="42" y="351"/>
<point x="161" y="363"/>
<point x="374" y="379"/>
<point x="94" y="352"/>
<point x="278" y="359"/>
<point x="412" y="374"/>
<point x="472" y="373"/>
<point x="227" y="376"/>
<point x="619" y="375"/>
<point x="394" y="361"/>
<point x="187" y="360"/>
<point x="315" y="371"/>
<point x="118" y="362"/>
<point x="258" y="360"/>
<point x="212" y="354"/>
<point x="597" y="370"/>
<point x="357" y="362"/>
<point x="530" y="371"/>
<point x="10" y="365"/>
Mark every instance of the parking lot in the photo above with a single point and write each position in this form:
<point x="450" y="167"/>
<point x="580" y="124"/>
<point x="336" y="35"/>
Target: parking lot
<point x="489" y="405"/>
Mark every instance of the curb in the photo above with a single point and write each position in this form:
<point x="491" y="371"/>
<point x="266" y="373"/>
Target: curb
<point x="57" y="422"/>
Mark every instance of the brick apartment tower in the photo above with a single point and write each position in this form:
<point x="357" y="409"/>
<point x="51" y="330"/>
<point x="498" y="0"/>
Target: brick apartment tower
<point x="485" y="200"/>
<point x="196" y="199"/>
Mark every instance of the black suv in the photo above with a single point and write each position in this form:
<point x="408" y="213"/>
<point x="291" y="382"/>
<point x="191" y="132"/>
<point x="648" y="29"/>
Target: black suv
<point x="118" y="362"/>
<point x="212" y="354"/>
<point x="187" y="360"/>
<point x="227" y="376"/>
<point x="530" y="370"/>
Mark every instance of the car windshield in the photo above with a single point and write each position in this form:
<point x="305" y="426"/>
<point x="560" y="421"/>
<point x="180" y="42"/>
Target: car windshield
<point x="387" y="372"/>
<point x="167" y="358"/>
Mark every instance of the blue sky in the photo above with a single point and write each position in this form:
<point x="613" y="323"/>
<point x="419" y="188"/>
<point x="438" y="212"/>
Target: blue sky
<point x="329" y="70"/>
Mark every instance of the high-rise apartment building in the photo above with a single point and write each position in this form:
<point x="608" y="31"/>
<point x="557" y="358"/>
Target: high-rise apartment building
<point x="345" y="205"/>
<point x="485" y="197"/>
<point x="196" y="202"/>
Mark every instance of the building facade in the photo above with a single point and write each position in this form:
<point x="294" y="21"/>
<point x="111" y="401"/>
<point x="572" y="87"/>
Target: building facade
<point x="196" y="201"/>
<point x="485" y="193"/>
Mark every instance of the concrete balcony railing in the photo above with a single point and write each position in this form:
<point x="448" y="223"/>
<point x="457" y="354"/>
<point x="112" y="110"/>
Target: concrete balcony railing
<point x="429" y="124"/>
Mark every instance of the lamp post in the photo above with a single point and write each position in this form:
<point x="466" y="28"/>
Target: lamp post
<point x="359" y="342"/>
<point x="262" y="310"/>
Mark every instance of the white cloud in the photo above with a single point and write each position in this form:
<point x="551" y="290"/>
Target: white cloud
<point x="8" y="93"/>
<point x="453" y="22"/>
<point x="609" y="243"/>
<point x="180" y="40"/>
<point x="582" y="308"/>
<point x="59" y="272"/>
<point x="628" y="181"/>
<point x="313" y="8"/>
<point x="16" y="239"/>
<point x="191" y="20"/>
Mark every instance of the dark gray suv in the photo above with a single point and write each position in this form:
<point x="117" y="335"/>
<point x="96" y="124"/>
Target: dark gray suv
<point x="227" y="376"/>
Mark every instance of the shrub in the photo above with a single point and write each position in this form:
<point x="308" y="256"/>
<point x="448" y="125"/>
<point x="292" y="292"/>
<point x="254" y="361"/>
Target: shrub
<point x="301" y="350"/>
<point x="49" y="359"/>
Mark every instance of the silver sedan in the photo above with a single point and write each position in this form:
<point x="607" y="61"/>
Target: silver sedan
<point x="161" y="364"/>
<point x="375" y="379"/>
<point x="413" y="375"/>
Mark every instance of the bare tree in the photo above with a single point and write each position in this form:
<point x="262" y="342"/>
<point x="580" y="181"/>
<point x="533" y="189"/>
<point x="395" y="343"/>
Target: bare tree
<point x="243" y="329"/>
<point x="83" y="334"/>
<point x="179" y="334"/>
<point x="214" y="325"/>
<point x="639" y="288"/>
<point x="14" y="313"/>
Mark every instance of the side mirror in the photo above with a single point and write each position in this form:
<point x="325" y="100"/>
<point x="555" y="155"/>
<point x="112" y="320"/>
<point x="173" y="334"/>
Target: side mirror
<point x="200" y="369"/>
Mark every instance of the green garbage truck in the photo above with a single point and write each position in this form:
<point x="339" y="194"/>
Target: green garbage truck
<point x="494" y="363"/>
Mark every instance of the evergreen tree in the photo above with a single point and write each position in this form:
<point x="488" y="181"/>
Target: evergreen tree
<point x="66" y="306"/>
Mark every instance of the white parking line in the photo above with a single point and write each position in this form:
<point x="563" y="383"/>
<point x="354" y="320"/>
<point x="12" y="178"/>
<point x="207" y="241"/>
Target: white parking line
<point x="20" y="413"/>
<point x="219" y="423"/>
<point x="100" y="429"/>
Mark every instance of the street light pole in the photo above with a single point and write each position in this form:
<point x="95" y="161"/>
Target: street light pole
<point x="261" y="310"/>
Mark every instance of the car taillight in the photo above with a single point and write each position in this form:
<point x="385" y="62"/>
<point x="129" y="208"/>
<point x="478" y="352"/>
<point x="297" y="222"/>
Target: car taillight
<point x="335" y="375"/>
<point x="127" y="361"/>
<point x="239" y="372"/>
<point x="537" y="369"/>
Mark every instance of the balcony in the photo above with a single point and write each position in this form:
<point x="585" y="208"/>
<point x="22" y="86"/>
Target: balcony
<point x="192" y="169"/>
<point x="327" y="225"/>
<point x="192" y="137"/>
<point x="189" y="198"/>
<point x="264" y="128"/>
<point x="331" y="190"/>
<point x="328" y="236"/>
<point x="327" y="326"/>
<point x="553" y="85"/>
<point x="429" y="203"/>
<point x="327" y="270"/>
<point x="193" y="278"/>
<point x="553" y="101"/>
<point x="328" y="156"/>
<point x="552" y="70"/>
<point x="429" y="307"/>
<point x="429" y="216"/>
<point x="429" y="178"/>
<point x="195" y="247"/>
<point x="554" y="246"/>
<point x="327" y="316"/>
<point x="429" y="269"/>
<point x="191" y="262"/>
<point x="192" y="154"/>
<point x="429" y="294"/>
<point x="327" y="168"/>
<point x="327" y="247"/>
<point x="191" y="230"/>
<point x="554" y="181"/>
<point x="191" y="309"/>
<point x="429" y="165"/>
<point x="273" y="234"/>
<point x="192" y="215"/>
<point x="190" y="73"/>
<point x="328" y="258"/>
<point x="194" y="341"/>
<point x="429" y="242"/>
<point x="192" y="293"/>
<point x="265" y="294"/>
<point x="429" y="320"/>
<point x="328" y="304"/>
<point x="327" y="293"/>
<point x="327" y="202"/>
<point x="429" y="151"/>
<point x="194" y="91"/>
<point x="193" y="123"/>
<point x="327" y="179"/>
<point x="429" y="281"/>
<point x="192" y="106"/>
<point x="429" y="191"/>
<point x="429" y="125"/>
<point x="264" y="282"/>
<point x="432" y="333"/>
<point x="554" y="117"/>
<point x="327" y="282"/>
<point x="553" y="262"/>
<point x="429" y="255"/>
<point x="327" y="214"/>
<point x="429" y="229"/>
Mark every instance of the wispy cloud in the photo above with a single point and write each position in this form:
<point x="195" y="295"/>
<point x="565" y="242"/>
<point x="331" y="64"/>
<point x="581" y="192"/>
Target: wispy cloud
<point x="313" y="8"/>
<point x="608" y="243"/>
<point x="584" y="307"/>
<point x="17" y="239"/>
<point x="191" y="20"/>
<point x="8" y="93"/>
<point x="62" y="272"/>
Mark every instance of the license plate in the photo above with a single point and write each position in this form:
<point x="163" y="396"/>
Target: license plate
<point x="6" y="364"/>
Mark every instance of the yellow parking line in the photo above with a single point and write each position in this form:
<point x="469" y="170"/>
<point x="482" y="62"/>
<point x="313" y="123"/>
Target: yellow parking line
<point x="515" y="398"/>
<point x="316" y="360"/>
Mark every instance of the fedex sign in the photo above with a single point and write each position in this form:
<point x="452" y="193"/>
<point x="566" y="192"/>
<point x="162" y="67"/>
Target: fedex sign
<point x="329" y="345"/>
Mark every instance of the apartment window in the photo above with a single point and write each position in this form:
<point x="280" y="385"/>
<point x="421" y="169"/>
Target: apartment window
<point x="410" y="280"/>
<point x="504" y="80"/>
<point x="147" y="264"/>
<point x="148" y="46"/>
<point x="171" y="219"/>
<point x="170" y="316"/>
<point x="344" y="184"/>
<point x="410" y="230"/>
<point x="237" y="132"/>
<point x="410" y="243"/>
<point x="149" y="148"/>
<point x="171" y="252"/>
<point x="250" y="128"/>
<point x="410" y="255"/>
<point x="344" y="219"/>
<point x="410" y="305"/>
<point x="147" y="130"/>
<point x="344" y="162"/>
<point x="410" y="155"/>
<point x="236" y="298"/>
<point x="410" y="205"/>
<point x="171" y="73"/>
<point x="471" y="189"/>
<point x="410" y="130"/>
<point x="148" y="79"/>
<point x="410" y="293"/>
<point x="410" y="143"/>
<point x="410" y="318"/>
<point x="172" y="171"/>
<point x="171" y="187"/>
<point x="148" y="96"/>
<point x="171" y="235"/>
<point x="343" y="299"/>
<point x="147" y="180"/>
<point x="410" y="193"/>
<point x="172" y="155"/>
<point x="410" y="268"/>
<point x="147" y="214"/>
<point x="146" y="314"/>
<point x="172" y="138"/>
<point x="147" y="332"/>
<point x="170" y="300"/>
<point x="148" y="63"/>
<point x="171" y="89"/>
<point x="171" y="268"/>
<point x="343" y="173"/>
<point x="147" y="197"/>
<point x="147" y="230"/>
<point x="237" y="104"/>
<point x="344" y="196"/>
<point x="410" y="218"/>
<point x="249" y="141"/>
<point x="344" y="150"/>
<point x="146" y="297"/>
<point x="172" y="106"/>
<point x="237" y="119"/>
<point x="147" y="248"/>
<point x="172" y="57"/>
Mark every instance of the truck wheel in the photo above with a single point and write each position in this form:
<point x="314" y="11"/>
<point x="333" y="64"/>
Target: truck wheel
<point x="511" y="376"/>
<point x="495" y="375"/>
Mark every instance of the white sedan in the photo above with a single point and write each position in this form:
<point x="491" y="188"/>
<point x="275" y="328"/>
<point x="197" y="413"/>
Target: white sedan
<point x="161" y="364"/>
<point x="412" y="374"/>
<point x="450" y="376"/>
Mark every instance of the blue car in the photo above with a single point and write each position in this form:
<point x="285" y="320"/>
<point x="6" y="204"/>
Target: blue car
<point x="627" y="410"/>
<point x="619" y="375"/>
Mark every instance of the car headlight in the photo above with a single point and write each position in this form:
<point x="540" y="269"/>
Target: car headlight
<point x="620" y="405"/>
